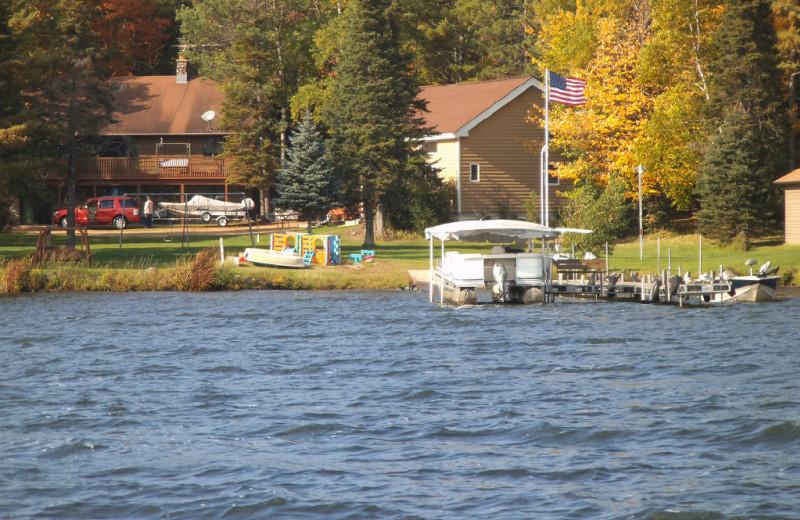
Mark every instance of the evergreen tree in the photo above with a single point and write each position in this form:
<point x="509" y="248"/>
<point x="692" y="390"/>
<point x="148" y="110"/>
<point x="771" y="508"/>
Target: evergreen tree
<point x="259" y="52"/>
<point x="746" y="151"/>
<point x="307" y="182"/>
<point x="787" y="22"/>
<point x="14" y="126"/>
<point x="375" y="125"/>
<point x="68" y="92"/>
<point x="733" y="186"/>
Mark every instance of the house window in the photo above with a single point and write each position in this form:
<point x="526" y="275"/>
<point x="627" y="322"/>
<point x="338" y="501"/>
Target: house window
<point x="474" y="172"/>
<point x="552" y="177"/>
<point x="212" y="146"/>
<point x="430" y="147"/>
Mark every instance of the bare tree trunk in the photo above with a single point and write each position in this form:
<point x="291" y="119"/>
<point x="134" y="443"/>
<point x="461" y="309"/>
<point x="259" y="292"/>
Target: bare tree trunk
<point x="380" y="222"/>
<point x="73" y="149"/>
<point x="369" y="224"/>
<point x="694" y="28"/>
<point x="264" y="196"/>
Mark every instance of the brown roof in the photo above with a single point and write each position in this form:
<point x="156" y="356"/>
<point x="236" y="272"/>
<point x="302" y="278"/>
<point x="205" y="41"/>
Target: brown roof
<point x="158" y="105"/>
<point x="455" y="109"/>
<point x="790" y="178"/>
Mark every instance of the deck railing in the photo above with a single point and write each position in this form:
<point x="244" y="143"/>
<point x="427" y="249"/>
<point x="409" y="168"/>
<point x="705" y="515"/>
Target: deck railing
<point x="150" y="167"/>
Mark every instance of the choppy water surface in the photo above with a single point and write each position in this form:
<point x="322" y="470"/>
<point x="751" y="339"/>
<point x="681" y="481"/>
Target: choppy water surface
<point x="380" y="405"/>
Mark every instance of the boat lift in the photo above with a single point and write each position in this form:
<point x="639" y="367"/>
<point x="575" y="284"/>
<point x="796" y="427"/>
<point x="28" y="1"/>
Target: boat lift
<point x="520" y="275"/>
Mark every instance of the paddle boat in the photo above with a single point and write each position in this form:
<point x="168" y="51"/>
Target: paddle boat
<point x="286" y="258"/>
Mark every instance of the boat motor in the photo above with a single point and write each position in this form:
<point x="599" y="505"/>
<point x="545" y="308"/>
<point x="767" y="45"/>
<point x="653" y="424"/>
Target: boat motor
<point x="767" y="270"/>
<point x="500" y="287"/>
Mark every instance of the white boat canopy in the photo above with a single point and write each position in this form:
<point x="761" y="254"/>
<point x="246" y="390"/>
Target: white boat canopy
<point x="497" y="231"/>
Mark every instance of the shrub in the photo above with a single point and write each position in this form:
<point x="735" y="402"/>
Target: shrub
<point x="788" y="277"/>
<point x="602" y="210"/>
<point x="22" y="275"/>
<point x="198" y="273"/>
<point x="532" y="207"/>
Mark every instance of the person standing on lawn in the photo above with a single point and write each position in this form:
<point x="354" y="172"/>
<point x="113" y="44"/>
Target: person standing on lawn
<point x="148" y="212"/>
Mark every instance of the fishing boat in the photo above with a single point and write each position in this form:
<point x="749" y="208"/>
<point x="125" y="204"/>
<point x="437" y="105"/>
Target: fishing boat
<point x="287" y="258"/>
<point x="758" y="287"/>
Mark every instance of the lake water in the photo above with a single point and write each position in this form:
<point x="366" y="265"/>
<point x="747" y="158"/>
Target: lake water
<point x="380" y="405"/>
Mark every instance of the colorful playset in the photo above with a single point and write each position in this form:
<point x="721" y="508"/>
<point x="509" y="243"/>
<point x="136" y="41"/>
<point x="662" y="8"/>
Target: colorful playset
<point x="325" y="247"/>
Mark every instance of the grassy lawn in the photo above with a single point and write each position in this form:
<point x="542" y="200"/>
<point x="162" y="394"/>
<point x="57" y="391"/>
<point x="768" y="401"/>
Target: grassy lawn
<point x="162" y="248"/>
<point x="684" y="251"/>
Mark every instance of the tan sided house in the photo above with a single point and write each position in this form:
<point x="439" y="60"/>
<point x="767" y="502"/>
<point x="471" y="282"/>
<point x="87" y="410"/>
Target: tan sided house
<point x="791" y="187"/>
<point x="487" y="144"/>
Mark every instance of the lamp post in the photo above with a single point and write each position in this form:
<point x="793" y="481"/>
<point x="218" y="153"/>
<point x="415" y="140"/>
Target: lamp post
<point x="641" y="234"/>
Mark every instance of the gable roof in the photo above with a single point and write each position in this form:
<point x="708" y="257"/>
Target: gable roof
<point x="789" y="178"/>
<point x="158" y="105"/>
<point x="454" y="110"/>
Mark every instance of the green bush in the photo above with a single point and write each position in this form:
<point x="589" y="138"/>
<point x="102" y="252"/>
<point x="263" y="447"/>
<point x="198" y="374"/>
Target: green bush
<point x="23" y="275"/>
<point x="603" y="210"/>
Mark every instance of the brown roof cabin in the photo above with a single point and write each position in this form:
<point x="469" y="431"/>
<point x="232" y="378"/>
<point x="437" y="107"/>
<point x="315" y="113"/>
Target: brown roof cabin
<point x="165" y="138"/>
<point x="791" y="187"/>
<point x="488" y="145"/>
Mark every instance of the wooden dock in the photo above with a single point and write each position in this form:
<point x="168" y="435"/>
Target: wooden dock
<point x="650" y="289"/>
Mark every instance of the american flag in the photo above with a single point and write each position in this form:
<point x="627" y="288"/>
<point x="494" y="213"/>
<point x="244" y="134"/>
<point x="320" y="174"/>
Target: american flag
<point x="567" y="91"/>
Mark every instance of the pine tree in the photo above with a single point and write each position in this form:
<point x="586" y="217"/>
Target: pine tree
<point x="14" y="125"/>
<point x="733" y="186"/>
<point x="307" y="182"/>
<point x="259" y="52"/>
<point x="746" y="152"/>
<point x="375" y="127"/>
<point x="69" y="92"/>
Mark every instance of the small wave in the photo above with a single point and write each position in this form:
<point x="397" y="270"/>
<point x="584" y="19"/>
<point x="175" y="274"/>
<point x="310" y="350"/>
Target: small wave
<point x="505" y="473"/>
<point x="70" y="448"/>
<point x="778" y="434"/>
<point x="422" y="395"/>
<point x="311" y="430"/>
<point x="250" y="510"/>
<point x="680" y="515"/>
<point x="223" y="369"/>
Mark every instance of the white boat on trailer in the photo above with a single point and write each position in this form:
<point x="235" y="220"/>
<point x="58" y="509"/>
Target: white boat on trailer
<point x="208" y="209"/>
<point x="514" y="274"/>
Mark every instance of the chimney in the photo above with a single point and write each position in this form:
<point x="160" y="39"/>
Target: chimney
<point x="180" y="72"/>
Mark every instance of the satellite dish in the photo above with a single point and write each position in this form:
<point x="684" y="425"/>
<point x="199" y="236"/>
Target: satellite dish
<point x="208" y="116"/>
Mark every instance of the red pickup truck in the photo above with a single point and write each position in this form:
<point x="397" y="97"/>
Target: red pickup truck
<point x="115" y="211"/>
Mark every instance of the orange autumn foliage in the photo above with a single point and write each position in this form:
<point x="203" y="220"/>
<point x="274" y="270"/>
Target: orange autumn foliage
<point x="132" y="34"/>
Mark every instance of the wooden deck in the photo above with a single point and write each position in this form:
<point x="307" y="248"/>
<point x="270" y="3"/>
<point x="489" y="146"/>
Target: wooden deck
<point x="150" y="169"/>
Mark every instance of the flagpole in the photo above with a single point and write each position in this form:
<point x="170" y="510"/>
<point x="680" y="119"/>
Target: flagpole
<point x="546" y="171"/>
<point x="543" y="156"/>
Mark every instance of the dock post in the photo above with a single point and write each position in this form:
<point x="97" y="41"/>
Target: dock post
<point x="430" y="271"/>
<point x="658" y="247"/>
<point x="700" y="260"/>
